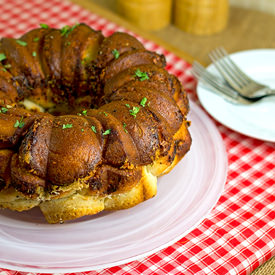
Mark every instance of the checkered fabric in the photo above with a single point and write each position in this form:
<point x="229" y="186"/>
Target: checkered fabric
<point x="239" y="234"/>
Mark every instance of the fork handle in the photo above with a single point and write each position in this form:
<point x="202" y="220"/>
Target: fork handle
<point x="264" y="92"/>
<point x="226" y="93"/>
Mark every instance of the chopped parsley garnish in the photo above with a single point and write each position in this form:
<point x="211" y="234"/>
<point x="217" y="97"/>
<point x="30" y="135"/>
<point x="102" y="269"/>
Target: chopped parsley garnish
<point x="21" y="43"/>
<point x="115" y="53"/>
<point x="7" y="66"/>
<point x="143" y="102"/>
<point x="141" y="75"/>
<point x="105" y="114"/>
<point x="34" y="54"/>
<point x="124" y="127"/>
<point x="84" y="112"/>
<point x="19" y="124"/>
<point x="82" y="130"/>
<point x="44" y="26"/>
<point x="107" y="132"/>
<point x="127" y="105"/>
<point x="2" y="57"/>
<point x="3" y="110"/>
<point x="93" y="128"/>
<point x="74" y="26"/>
<point x="36" y="39"/>
<point x="134" y="111"/>
<point x="66" y="30"/>
<point x="68" y="43"/>
<point x="67" y="126"/>
<point x="84" y="60"/>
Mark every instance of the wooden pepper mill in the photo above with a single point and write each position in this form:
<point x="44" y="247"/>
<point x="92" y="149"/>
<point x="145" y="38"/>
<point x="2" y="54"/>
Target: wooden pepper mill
<point x="202" y="17"/>
<point x="147" y="14"/>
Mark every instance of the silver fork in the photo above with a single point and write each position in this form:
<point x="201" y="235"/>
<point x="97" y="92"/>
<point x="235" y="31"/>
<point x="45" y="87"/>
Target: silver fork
<point x="236" y="78"/>
<point x="217" y="85"/>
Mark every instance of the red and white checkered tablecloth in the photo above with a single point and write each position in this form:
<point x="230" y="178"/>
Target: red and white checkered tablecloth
<point x="239" y="234"/>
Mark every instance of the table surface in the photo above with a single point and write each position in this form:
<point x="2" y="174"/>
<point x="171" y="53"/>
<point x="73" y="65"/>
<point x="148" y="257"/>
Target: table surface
<point x="239" y="234"/>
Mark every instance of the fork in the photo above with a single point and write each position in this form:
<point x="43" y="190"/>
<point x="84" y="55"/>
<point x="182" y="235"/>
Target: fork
<point x="236" y="78"/>
<point x="217" y="85"/>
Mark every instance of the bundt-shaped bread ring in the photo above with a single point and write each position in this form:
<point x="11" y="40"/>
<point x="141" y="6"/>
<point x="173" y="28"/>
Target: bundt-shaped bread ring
<point x="87" y="123"/>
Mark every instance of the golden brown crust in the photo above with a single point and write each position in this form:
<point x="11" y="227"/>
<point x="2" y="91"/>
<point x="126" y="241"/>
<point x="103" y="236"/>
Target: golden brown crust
<point x="11" y="135"/>
<point x="79" y="48"/>
<point x="121" y="42"/>
<point x="119" y="147"/>
<point x="9" y="89"/>
<point x="158" y="79"/>
<point x="77" y="160"/>
<point x="130" y="59"/>
<point x="158" y="102"/>
<point x="142" y="127"/>
<point x="5" y="160"/>
<point x="179" y="147"/>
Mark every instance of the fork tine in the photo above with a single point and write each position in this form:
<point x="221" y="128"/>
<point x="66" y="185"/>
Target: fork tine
<point x="217" y="85"/>
<point x="228" y="59"/>
<point x="233" y="65"/>
<point x="223" y="69"/>
<point x="200" y="72"/>
<point x="236" y="78"/>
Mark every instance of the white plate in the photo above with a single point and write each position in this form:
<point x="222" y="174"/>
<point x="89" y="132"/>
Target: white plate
<point x="185" y="197"/>
<point x="256" y="120"/>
